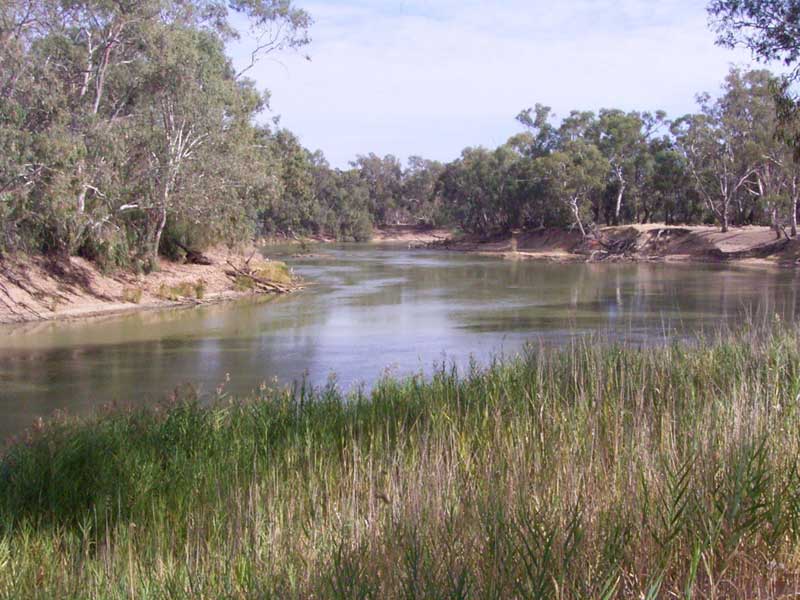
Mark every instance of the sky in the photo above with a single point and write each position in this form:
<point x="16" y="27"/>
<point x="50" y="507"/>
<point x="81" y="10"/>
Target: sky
<point x="431" y="77"/>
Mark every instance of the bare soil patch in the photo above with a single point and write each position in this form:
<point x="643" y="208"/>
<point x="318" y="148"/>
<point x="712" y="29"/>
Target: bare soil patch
<point x="409" y="234"/>
<point x="651" y="242"/>
<point x="44" y="288"/>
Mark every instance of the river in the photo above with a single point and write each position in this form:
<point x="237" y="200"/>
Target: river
<point x="368" y="311"/>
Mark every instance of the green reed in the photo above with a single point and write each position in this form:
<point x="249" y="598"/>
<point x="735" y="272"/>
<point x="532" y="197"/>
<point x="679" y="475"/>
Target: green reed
<point x="595" y="471"/>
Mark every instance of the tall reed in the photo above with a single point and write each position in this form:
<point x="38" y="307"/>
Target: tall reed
<point x="595" y="471"/>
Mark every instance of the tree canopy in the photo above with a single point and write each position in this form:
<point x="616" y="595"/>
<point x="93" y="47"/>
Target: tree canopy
<point x="769" y="28"/>
<point x="126" y="132"/>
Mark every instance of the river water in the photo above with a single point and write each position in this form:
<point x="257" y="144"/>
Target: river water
<point x="370" y="311"/>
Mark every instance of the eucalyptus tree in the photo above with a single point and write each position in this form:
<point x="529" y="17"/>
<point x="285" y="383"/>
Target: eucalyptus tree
<point x="419" y="199"/>
<point x="477" y="189"/>
<point x="725" y="145"/>
<point x="572" y="174"/>
<point x="670" y="186"/>
<point x="712" y="162"/>
<point x="769" y="28"/>
<point x="641" y="201"/>
<point x="295" y="208"/>
<point x="620" y="138"/>
<point x="541" y="137"/>
<point x="36" y="146"/>
<point x="577" y="125"/>
<point x="118" y="115"/>
<point x="384" y="178"/>
<point x="348" y="206"/>
<point x="751" y="95"/>
<point x="793" y="185"/>
<point x="748" y="111"/>
<point x="22" y="81"/>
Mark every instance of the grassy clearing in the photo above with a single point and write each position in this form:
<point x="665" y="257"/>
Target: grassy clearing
<point x="591" y="472"/>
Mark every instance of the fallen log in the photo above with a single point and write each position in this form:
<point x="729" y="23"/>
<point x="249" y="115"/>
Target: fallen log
<point x="271" y="286"/>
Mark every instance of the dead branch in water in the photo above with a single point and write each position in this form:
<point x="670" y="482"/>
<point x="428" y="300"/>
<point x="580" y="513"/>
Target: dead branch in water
<point x="261" y="283"/>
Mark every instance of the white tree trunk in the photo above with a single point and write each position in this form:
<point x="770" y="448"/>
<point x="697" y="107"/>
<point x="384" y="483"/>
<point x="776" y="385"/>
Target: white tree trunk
<point x="575" y="211"/>
<point x="725" y="206"/>
<point x="776" y="226"/>
<point x="159" y="227"/>
<point x="618" y="206"/>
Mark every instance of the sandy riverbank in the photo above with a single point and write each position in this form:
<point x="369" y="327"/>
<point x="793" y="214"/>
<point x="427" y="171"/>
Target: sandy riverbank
<point x="45" y="289"/>
<point x="750" y="245"/>
<point x="410" y="234"/>
<point x="395" y="234"/>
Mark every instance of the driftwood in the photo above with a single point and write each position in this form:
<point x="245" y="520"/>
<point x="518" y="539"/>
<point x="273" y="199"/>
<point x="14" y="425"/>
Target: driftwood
<point x="260" y="283"/>
<point x="620" y="246"/>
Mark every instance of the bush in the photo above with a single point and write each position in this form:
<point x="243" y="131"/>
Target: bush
<point x="109" y="251"/>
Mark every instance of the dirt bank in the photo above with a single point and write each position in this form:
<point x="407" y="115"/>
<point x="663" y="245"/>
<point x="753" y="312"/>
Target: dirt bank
<point x="42" y="288"/>
<point x="412" y="235"/>
<point x="652" y="242"/>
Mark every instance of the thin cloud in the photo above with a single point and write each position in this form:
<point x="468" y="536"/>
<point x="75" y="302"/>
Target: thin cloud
<point x="429" y="78"/>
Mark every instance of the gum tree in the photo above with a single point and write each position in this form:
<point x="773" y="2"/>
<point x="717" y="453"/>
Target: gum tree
<point x="619" y="137"/>
<point x="119" y="115"/>
<point x="572" y="174"/>
<point x="771" y="31"/>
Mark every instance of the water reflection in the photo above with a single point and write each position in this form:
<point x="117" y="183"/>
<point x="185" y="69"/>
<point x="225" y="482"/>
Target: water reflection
<point x="370" y="309"/>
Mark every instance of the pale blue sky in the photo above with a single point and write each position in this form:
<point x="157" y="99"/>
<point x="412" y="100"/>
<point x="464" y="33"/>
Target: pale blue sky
<point x="430" y="77"/>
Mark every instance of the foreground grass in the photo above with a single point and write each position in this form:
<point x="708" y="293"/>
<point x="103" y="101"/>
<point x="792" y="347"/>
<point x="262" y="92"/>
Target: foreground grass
<point x="591" y="472"/>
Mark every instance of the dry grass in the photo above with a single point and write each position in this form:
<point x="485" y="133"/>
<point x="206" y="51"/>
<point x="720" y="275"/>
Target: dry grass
<point x="132" y="295"/>
<point x="180" y="291"/>
<point x="593" y="472"/>
<point x="274" y="271"/>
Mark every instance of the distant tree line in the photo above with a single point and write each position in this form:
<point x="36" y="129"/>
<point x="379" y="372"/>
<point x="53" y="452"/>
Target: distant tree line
<point x="729" y="163"/>
<point x="126" y="132"/>
<point x="726" y="164"/>
<point x="345" y="204"/>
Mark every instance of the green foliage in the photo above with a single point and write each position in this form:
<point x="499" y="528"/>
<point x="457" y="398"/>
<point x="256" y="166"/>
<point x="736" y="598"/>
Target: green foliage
<point x="768" y="29"/>
<point x="119" y="118"/>
<point x="728" y="163"/>
<point x="125" y="133"/>
<point x="476" y="190"/>
<point x="595" y="471"/>
<point x="383" y="179"/>
<point x="731" y="149"/>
